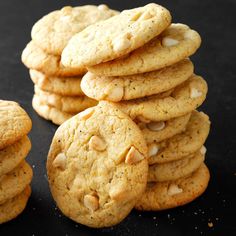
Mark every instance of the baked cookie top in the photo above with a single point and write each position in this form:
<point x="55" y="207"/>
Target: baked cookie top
<point x="14" y="123"/>
<point x="13" y="155"/>
<point x="185" y="143"/>
<point x="115" y="37"/>
<point x="36" y="58"/>
<point x="97" y="166"/>
<point x="184" y="98"/>
<point x="53" y="31"/>
<point x="170" y="194"/>
<point x="175" y="43"/>
<point x="66" y="86"/>
<point x="119" y="88"/>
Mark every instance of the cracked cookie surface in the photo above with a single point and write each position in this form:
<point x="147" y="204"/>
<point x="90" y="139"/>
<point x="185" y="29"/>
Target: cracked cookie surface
<point x="97" y="166"/>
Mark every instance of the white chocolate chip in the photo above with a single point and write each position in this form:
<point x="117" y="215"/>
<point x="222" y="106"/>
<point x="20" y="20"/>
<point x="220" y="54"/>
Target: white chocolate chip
<point x="97" y="143"/>
<point x="168" y="42"/>
<point x="188" y="34"/>
<point x="84" y="115"/>
<point x="194" y="93"/>
<point x="66" y="10"/>
<point x="65" y="18"/>
<point x="60" y="161"/>
<point x="156" y="126"/>
<point x="145" y="16"/>
<point x="117" y="192"/>
<point x="203" y="150"/>
<point x="103" y="7"/>
<point x="116" y="94"/>
<point x="174" y="189"/>
<point x="133" y="156"/>
<point x="91" y="202"/>
<point x="121" y="43"/>
<point x="143" y="119"/>
<point x="153" y="149"/>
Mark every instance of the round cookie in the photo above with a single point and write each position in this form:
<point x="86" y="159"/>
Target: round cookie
<point x="35" y="58"/>
<point x="176" y="169"/>
<point x="116" y="36"/>
<point x="66" y="86"/>
<point x="49" y="113"/>
<point x="174" y="44"/>
<point x="14" y="206"/>
<point x="53" y="31"/>
<point x="13" y="155"/>
<point x="67" y="104"/>
<point x="97" y="166"/>
<point x="158" y="131"/>
<point x="185" y="98"/>
<point x="170" y="194"/>
<point x="14" y="182"/>
<point x="183" y="144"/>
<point x="130" y="87"/>
<point x="14" y="123"/>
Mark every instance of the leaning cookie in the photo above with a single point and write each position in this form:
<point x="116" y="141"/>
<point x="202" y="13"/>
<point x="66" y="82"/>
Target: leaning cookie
<point x="115" y="37"/>
<point x="184" y="99"/>
<point x="130" y="87"/>
<point x="14" y="206"/>
<point x="53" y="31"/>
<point x="97" y="166"/>
<point x="174" y="44"/>
<point x="164" y="195"/>
<point x="14" y="123"/>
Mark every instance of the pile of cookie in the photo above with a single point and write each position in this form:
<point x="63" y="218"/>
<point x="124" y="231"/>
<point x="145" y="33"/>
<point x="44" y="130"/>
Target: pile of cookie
<point x="15" y="172"/>
<point x="57" y="88"/>
<point x="142" y="67"/>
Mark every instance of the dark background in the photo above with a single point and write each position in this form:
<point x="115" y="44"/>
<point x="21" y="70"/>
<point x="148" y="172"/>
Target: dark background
<point x="215" y="61"/>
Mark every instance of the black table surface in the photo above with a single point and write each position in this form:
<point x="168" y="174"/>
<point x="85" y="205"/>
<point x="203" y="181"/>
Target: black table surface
<point x="215" y="61"/>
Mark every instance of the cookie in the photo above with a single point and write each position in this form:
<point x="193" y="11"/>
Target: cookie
<point x="49" y="112"/>
<point x="185" y="98"/>
<point x="97" y="166"/>
<point x="13" y="155"/>
<point x="170" y="194"/>
<point x="176" y="169"/>
<point x="158" y="131"/>
<point x="14" y="182"/>
<point x="14" y="206"/>
<point x="183" y="144"/>
<point x="67" y="104"/>
<point x="130" y="87"/>
<point x="35" y="58"/>
<point x="66" y="86"/>
<point x="14" y="123"/>
<point x="116" y="36"/>
<point x="174" y="44"/>
<point x="53" y="31"/>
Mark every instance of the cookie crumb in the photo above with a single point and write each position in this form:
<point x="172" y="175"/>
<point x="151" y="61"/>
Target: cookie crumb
<point x="210" y="224"/>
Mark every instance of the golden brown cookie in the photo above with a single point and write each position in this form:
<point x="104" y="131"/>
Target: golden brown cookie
<point x="97" y="166"/>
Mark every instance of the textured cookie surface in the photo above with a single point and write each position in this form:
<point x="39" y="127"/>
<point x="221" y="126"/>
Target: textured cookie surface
<point x="66" y="86"/>
<point x="136" y="86"/>
<point x="35" y="58"/>
<point x="13" y="155"/>
<point x="50" y="113"/>
<point x="158" y="131"/>
<point x="116" y="36"/>
<point x="53" y="31"/>
<point x="67" y="104"/>
<point x="97" y="166"/>
<point x="174" y="44"/>
<point x="185" y="98"/>
<point x="170" y="194"/>
<point x="176" y="169"/>
<point x="14" y="182"/>
<point x="14" y="206"/>
<point x="186" y="143"/>
<point x="14" y="123"/>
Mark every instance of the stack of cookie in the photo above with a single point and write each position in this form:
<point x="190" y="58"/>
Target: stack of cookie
<point x="57" y="88"/>
<point x="139" y="62"/>
<point x="15" y="172"/>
